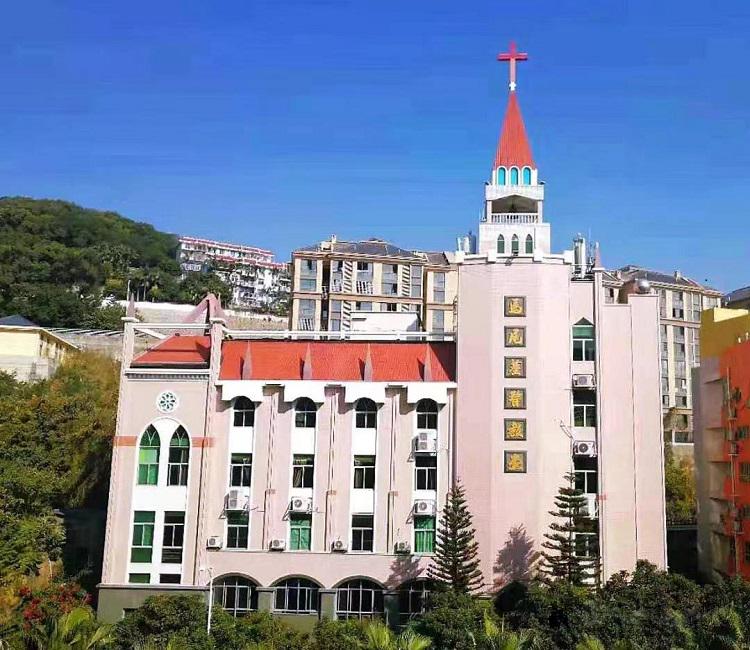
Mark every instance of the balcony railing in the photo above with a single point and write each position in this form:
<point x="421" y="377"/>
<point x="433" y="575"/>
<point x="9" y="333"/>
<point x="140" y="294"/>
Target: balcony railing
<point x="364" y="286"/>
<point x="513" y="218"/>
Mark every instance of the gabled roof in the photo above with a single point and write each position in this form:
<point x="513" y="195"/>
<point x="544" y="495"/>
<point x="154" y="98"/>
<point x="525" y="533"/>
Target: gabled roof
<point x="335" y="361"/>
<point x="632" y="272"/>
<point x="513" y="148"/>
<point x="741" y="294"/>
<point x="16" y="320"/>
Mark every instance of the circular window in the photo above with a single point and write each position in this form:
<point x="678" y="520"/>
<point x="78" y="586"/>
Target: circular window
<point x="167" y="401"/>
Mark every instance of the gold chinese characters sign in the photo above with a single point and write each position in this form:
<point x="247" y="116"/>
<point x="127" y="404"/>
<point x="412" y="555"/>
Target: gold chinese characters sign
<point x="515" y="337"/>
<point x="515" y="306"/>
<point x="515" y="398"/>
<point x="515" y="429"/>
<point x="515" y="367"/>
<point x="515" y="462"/>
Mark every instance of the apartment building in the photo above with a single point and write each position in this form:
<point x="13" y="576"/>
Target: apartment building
<point x="303" y="472"/>
<point x="257" y="281"/>
<point x="738" y="299"/>
<point x="681" y="301"/>
<point x="721" y="390"/>
<point x="334" y="281"/>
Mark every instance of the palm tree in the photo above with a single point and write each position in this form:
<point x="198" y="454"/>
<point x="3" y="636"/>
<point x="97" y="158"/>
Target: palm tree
<point x="495" y="637"/>
<point x="378" y="636"/>
<point x="76" y="630"/>
<point x="590" y="643"/>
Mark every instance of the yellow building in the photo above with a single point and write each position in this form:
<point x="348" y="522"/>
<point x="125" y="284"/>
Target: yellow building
<point x="30" y="352"/>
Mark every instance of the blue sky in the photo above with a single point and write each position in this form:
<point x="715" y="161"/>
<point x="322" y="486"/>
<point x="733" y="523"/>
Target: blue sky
<point x="278" y="123"/>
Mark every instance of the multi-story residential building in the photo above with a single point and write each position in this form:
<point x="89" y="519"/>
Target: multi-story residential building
<point x="257" y="281"/>
<point x="721" y="392"/>
<point x="738" y="299"/>
<point x="303" y="473"/>
<point x="334" y="280"/>
<point x="681" y="301"/>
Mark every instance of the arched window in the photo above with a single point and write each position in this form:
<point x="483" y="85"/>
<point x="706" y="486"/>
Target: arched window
<point x="244" y="412"/>
<point x="501" y="245"/>
<point x="359" y="599"/>
<point x="296" y="596"/>
<point x="514" y="245"/>
<point x="529" y="244"/>
<point x="412" y="599"/>
<point x="179" y="458"/>
<point x="304" y="413"/>
<point x="367" y="414"/>
<point x="235" y="594"/>
<point x="148" y="458"/>
<point x="427" y="411"/>
<point x="501" y="176"/>
<point x="526" y="176"/>
<point x="514" y="175"/>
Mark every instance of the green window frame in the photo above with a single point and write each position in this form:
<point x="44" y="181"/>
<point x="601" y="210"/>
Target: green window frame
<point x="148" y="457"/>
<point x="179" y="458"/>
<point x="173" y="537"/>
<point x="139" y="578"/>
<point x="300" y="532"/>
<point x="584" y="344"/>
<point x="142" y="548"/>
<point x="424" y="534"/>
<point x="238" y="527"/>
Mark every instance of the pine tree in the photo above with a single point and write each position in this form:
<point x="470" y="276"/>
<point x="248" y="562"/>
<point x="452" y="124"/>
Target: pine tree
<point x="560" y="560"/>
<point x="456" y="561"/>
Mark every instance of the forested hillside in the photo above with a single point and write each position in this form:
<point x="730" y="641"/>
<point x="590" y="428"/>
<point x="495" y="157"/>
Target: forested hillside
<point x="59" y="260"/>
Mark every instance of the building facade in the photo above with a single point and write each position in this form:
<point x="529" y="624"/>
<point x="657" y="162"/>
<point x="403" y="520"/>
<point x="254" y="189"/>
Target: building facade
<point x="334" y="281"/>
<point x="303" y="473"/>
<point x="721" y="388"/>
<point x="29" y="352"/>
<point x="681" y="301"/>
<point x="257" y="281"/>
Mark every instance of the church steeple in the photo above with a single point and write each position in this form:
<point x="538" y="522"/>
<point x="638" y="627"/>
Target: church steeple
<point x="513" y="223"/>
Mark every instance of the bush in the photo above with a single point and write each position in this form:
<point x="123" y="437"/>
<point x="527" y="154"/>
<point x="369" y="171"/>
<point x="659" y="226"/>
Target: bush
<point x="453" y="620"/>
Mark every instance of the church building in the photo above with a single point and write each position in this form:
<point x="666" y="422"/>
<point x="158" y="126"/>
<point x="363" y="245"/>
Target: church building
<point x="303" y="473"/>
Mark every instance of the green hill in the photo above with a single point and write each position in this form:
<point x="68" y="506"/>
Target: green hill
<point x="58" y="260"/>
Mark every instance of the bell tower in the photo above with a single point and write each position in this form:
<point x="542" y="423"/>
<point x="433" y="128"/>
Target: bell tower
<point x="512" y="223"/>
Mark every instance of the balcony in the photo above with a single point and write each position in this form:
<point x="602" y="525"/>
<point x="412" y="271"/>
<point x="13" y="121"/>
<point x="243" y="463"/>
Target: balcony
<point x="364" y="287"/>
<point x="513" y="218"/>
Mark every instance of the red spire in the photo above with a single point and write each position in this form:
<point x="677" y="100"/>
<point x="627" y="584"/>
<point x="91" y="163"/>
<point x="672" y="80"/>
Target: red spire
<point x="513" y="148"/>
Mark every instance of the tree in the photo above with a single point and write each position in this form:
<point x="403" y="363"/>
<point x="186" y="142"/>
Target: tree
<point x="565" y="557"/>
<point x="378" y="636"/>
<point x="76" y="630"/>
<point x="456" y="561"/>
<point x="496" y="637"/>
<point x="721" y="629"/>
<point x="679" y="488"/>
<point x="453" y="620"/>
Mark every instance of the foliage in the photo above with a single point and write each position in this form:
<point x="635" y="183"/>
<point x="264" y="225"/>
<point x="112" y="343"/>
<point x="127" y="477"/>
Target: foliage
<point x="336" y="635"/>
<point x="562" y="560"/>
<point x="496" y="637"/>
<point x="378" y="636"/>
<point x="456" y="560"/>
<point x="258" y="628"/>
<point x="75" y="630"/>
<point x="721" y="629"/>
<point x="59" y="262"/>
<point x="679" y="488"/>
<point x="453" y="620"/>
<point x="55" y="445"/>
<point x="161" y="618"/>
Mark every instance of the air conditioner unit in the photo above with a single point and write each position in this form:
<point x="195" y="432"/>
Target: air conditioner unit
<point x="584" y="448"/>
<point x="300" y="504"/>
<point x="237" y="499"/>
<point x="403" y="548"/>
<point x="339" y="546"/>
<point x="425" y="443"/>
<point x="424" y="507"/>
<point x="583" y="381"/>
<point x="277" y="545"/>
<point x="214" y="542"/>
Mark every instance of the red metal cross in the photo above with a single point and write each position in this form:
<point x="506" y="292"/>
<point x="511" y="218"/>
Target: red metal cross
<point x="512" y="56"/>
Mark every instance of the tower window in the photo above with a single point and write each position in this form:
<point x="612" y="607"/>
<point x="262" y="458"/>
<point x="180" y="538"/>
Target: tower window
<point x="514" y="175"/>
<point x="501" y="176"/>
<point x="527" y="176"/>
<point x="501" y="245"/>
<point x="514" y="245"/>
<point x="529" y="244"/>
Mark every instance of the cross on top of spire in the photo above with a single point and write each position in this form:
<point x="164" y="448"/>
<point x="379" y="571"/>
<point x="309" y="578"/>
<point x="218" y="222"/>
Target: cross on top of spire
<point x="512" y="56"/>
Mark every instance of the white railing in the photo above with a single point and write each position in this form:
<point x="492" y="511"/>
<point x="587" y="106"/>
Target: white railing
<point x="514" y="217"/>
<point x="307" y="324"/>
<point x="337" y="286"/>
<point x="340" y="335"/>
<point x="364" y="286"/>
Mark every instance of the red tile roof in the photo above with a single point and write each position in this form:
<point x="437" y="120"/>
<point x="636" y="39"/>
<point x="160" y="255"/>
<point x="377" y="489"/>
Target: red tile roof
<point x="329" y="360"/>
<point x="177" y="350"/>
<point x="513" y="148"/>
